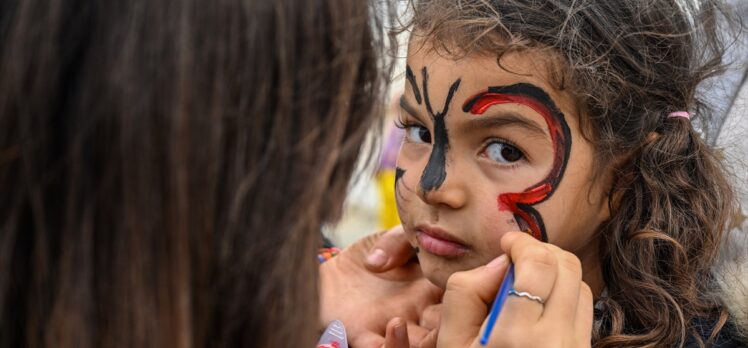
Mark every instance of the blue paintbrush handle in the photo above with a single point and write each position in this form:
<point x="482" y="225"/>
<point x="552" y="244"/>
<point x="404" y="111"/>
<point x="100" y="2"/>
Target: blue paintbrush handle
<point x="498" y="303"/>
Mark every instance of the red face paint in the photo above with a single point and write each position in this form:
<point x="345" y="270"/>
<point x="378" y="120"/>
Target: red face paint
<point x="521" y="203"/>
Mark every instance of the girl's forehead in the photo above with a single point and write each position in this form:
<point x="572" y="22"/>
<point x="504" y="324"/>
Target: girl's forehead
<point x="479" y="72"/>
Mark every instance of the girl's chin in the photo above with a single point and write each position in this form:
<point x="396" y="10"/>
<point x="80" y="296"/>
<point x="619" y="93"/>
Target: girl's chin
<point x="438" y="278"/>
<point x="438" y="270"/>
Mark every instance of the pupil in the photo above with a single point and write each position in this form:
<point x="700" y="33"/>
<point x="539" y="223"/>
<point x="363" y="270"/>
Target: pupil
<point x="510" y="153"/>
<point x="423" y="133"/>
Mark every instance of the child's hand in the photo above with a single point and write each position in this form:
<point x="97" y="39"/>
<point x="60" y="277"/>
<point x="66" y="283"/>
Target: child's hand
<point x="366" y="294"/>
<point x="541" y="269"/>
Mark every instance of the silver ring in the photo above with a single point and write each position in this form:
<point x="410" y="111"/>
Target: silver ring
<point x="526" y="295"/>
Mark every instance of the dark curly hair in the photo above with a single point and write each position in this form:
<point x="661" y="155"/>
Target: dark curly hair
<point x="628" y="64"/>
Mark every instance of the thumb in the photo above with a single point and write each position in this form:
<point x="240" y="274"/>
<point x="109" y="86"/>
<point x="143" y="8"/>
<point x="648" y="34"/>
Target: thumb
<point x="396" y="334"/>
<point x="430" y="340"/>
<point x="466" y="302"/>
<point x="390" y="250"/>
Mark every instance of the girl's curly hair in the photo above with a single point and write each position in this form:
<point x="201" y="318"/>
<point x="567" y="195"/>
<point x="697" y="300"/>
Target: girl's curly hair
<point x="628" y="64"/>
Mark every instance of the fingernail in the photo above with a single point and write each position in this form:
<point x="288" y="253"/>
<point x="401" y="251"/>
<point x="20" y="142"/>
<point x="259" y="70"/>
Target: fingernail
<point x="377" y="258"/>
<point x="499" y="261"/>
<point x="400" y="331"/>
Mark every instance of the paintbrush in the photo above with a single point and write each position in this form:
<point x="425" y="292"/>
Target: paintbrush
<point x="506" y="286"/>
<point x="498" y="303"/>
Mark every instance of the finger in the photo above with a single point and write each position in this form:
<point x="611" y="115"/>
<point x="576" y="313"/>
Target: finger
<point x="431" y="316"/>
<point x="428" y="294"/>
<point x="390" y="250"/>
<point x="367" y="340"/>
<point x="416" y="333"/>
<point x="466" y="302"/>
<point x="396" y="334"/>
<point x="584" y="316"/>
<point x="430" y="340"/>
<point x="561" y="305"/>
<point x="536" y="267"/>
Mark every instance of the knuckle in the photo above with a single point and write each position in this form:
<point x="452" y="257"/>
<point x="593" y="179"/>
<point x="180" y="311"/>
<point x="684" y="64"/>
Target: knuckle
<point x="585" y="291"/>
<point x="571" y="262"/>
<point x="540" y="256"/>
<point x="554" y="248"/>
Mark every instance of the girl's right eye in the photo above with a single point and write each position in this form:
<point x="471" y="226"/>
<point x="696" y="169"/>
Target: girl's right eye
<point x="418" y="134"/>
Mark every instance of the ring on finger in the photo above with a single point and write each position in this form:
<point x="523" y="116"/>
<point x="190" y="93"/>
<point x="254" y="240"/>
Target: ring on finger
<point x="527" y="295"/>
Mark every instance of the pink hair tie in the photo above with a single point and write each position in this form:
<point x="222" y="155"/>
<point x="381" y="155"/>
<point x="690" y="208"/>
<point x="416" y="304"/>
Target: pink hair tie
<point x="684" y="114"/>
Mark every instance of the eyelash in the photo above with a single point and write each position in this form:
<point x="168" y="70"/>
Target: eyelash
<point x="405" y="124"/>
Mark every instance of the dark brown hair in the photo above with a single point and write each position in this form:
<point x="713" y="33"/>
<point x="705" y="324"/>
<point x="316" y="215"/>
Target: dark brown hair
<point x="628" y="64"/>
<point x="166" y="165"/>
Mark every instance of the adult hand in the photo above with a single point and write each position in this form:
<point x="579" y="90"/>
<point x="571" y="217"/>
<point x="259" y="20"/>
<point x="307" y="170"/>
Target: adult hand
<point x="541" y="269"/>
<point x="374" y="289"/>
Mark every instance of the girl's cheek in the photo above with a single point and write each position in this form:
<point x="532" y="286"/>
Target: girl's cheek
<point x="497" y="221"/>
<point x="404" y="193"/>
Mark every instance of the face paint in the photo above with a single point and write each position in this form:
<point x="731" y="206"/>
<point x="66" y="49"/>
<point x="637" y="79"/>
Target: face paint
<point x="534" y="97"/>
<point x="399" y="172"/>
<point x="435" y="172"/>
<point x="413" y="84"/>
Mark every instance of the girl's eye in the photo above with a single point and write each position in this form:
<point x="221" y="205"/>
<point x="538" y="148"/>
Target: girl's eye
<point x="418" y="134"/>
<point x="503" y="152"/>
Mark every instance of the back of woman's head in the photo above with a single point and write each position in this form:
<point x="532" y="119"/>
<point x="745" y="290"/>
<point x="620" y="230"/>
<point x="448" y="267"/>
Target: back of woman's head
<point x="629" y="64"/>
<point x="165" y="166"/>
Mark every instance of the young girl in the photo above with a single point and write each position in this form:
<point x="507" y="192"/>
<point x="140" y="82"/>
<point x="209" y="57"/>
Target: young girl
<point x="571" y="120"/>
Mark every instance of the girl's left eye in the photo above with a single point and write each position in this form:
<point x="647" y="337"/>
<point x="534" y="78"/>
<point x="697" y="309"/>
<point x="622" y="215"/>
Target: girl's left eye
<point x="418" y="134"/>
<point x="503" y="153"/>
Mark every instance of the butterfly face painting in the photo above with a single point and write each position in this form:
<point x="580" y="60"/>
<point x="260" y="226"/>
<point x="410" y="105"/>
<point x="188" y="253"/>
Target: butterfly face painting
<point x="489" y="150"/>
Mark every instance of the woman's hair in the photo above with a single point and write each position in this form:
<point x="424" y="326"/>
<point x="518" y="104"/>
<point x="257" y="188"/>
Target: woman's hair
<point x="628" y="64"/>
<point x="166" y="165"/>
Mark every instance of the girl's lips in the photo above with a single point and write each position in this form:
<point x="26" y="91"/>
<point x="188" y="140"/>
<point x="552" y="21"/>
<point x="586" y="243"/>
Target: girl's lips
<point x="439" y="243"/>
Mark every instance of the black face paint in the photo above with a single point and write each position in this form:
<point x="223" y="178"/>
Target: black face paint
<point x="412" y="80"/>
<point x="399" y="172"/>
<point x="435" y="172"/>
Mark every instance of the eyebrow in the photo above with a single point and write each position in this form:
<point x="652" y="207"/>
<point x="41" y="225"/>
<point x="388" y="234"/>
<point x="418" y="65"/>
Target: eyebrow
<point x="521" y="93"/>
<point x="505" y="119"/>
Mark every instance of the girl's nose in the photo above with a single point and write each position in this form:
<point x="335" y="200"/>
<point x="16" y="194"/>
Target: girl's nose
<point x="451" y="193"/>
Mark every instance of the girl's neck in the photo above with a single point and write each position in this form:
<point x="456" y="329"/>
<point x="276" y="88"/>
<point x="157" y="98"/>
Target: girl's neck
<point x="592" y="273"/>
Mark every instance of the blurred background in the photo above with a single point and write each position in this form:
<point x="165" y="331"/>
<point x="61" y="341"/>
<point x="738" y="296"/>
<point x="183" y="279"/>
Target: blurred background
<point x="370" y="205"/>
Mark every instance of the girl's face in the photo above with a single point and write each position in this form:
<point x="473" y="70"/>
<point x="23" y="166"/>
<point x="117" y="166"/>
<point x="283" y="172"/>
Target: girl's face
<point x="490" y="150"/>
